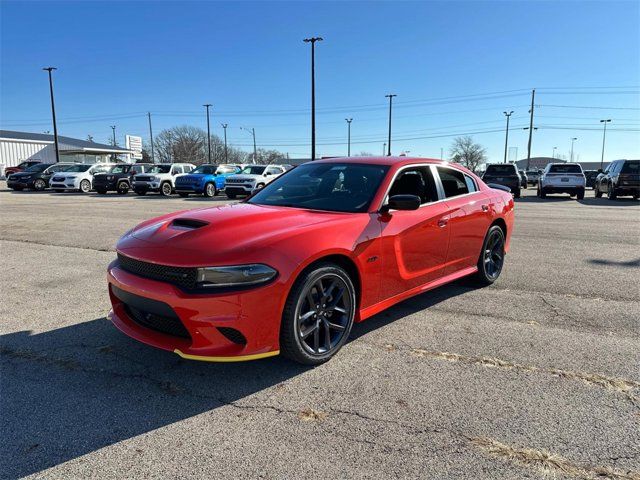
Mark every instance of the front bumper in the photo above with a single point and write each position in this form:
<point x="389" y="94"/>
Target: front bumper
<point x="239" y="189"/>
<point x="105" y="184"/>
<point x="18" y="184"/>
<point x="146" y="186"/>
<point x="189" y="188"/>
<point x="254" y="313"/>
<point x="571" y="189"/>
<point x="73" y="184"/>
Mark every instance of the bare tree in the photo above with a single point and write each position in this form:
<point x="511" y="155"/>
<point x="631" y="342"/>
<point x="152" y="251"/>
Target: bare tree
<point x="468" y="153"/>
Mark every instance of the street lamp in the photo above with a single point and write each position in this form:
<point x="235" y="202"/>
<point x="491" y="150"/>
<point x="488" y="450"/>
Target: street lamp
<point x="506" y="138"/>
<point x="207" y="105"/>
<point x="53" y="113"/>
<point x="604" y="135"/>
<point x="313" y="41"/>
<point x="573" y="139"/>
<point x="224" y="127"/>
<point x="252" y="131"/>
<point x="553" y="155"/>
<point x="390" y="97"/>
<point x="349" y="120"/>
<point x="113" y="128"/>
<point x="384" y="148"/>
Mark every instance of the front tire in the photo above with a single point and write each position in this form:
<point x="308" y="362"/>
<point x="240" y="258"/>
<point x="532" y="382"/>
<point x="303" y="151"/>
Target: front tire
<point x="611" y="192"/>
<point x="166" y="189"/>
<point x="580" y="195"/>
<point x="39" y="185"/>
<point x="318" y="315"/>
<point x="210" y="190"/>
<point x="517" y="193"/>
<point x="597" y="191"/>
<point x="85" y="186"/>
<point x="491" y="257"/>
<point x="541" y="193"/>
<point x="122" y="188"/>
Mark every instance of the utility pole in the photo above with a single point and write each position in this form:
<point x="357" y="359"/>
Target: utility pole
<point x="313" y="41"/>
<point x="224" y="127"/>
<point x="506" y="139"/>
<point x="390" y="97"/>
<point x="53" y="113"/>
<point x="553" y="155"/>
<point x="349" y="120"/>
<point x="252" y="131"/>
<point x="153" y="160"/>
<point x="604" y="136"/>
<point x="207" y="105"/>
<point x="573" y="139"/>
<point x="533" y="96"/>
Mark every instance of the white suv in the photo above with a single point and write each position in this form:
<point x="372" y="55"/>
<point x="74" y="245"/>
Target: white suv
<point x="78" y="177"/>
<point x="562" y="178"/>
<point x="252" y="177"/>
<point x="160" y="178"/>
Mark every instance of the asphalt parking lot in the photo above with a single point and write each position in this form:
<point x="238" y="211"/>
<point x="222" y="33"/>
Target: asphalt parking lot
<point x="540" y="369"/>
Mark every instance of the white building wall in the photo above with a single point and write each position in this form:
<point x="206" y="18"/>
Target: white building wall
<point x="12" y="152"/>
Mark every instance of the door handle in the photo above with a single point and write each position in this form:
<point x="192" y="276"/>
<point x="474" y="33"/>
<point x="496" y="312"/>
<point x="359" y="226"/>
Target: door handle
<point x="442" y="222"/>
<point x="485" y="208"/>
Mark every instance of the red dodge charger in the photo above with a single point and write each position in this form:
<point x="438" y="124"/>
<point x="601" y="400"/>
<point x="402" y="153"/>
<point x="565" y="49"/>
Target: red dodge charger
<point x="291" y="268"/>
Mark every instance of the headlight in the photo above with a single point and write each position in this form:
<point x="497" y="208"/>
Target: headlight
<point x="235" y="276"/>
<point x="155" y="179"/>
<point x="27" y="177"/>
<point x="109" y="177"/>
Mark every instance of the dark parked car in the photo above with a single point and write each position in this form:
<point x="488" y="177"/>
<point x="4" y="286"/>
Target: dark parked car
<point x="504" y="174"/>
<point x="621" y="177"/>
<point x="35" y="177"/>
<point x="523" y="179"/>
<point x="591" y="176"/>
<point x="118" y="179"/>
<point x="20" y="167"/>
<point x="533" y="176"/>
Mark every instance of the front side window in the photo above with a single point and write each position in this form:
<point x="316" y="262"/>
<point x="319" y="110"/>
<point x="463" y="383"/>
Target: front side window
<point x="416" y="181"/>
<point x="100" y="169"/>
<point x="453" y="182"/>
<point x="336" y="187"/>
<point x="159" y="169"/>
<point x="205" y="169"/>
<point x="79" y="167"/>
<point x="120" y="169"/>
<point x="225" y="169"/>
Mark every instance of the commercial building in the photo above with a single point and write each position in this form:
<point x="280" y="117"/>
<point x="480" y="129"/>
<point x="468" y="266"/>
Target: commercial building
<point x="16" y="147"/>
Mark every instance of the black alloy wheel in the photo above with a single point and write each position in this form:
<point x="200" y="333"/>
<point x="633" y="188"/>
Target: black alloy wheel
<point x="492" y="256"/>
<point x="318" y="315"/>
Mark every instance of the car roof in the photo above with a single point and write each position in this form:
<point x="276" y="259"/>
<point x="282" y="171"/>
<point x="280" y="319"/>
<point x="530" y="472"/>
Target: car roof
<point x="382" y="160"/>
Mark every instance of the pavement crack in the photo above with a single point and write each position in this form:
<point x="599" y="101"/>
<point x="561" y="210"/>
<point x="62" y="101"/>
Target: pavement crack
<point x="35" y="242"/>
<point x="549" y="462"/>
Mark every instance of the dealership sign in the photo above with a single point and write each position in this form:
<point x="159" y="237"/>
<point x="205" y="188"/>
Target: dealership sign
<point x="134" y="144"/>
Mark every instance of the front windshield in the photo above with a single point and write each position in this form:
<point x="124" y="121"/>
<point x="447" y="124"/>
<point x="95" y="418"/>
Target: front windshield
<point x="336" y="187"/>
<point x="38" y="167"/>
<point x="253" y="170"/>
<point x="80" y="167"/>
<point x="222" y="169"/>
<point x="120" y="169"/>
<point x="159" y="169"/>
<point x="207" y="169"/>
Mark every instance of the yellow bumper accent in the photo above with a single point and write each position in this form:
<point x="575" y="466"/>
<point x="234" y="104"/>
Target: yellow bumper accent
<point x="239" y="358"/>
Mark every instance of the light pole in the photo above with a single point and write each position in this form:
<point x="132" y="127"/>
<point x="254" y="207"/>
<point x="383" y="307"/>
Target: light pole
<point x="313" y="41"/>
<point x="113" y="127"/>
<point x="349" y="120"/>
<point x="151" y="136"/>
<point x="573" y="139"/>
<point x="604" y="136"/>
<point x="252" y="131"/>
<point x="390" y="97"/>
<point x="441" y="153"/>
<point x="506" y="138"/>
<point x="384" y="148"/>
<point x="224" y="127"/>
<point x="207" y="105"/>
<point x="553" y="155"/>
<point x="53" y="113"/>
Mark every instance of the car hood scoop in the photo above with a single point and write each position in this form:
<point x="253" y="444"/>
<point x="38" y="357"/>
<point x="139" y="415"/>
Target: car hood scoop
<point x="188" y="223"/>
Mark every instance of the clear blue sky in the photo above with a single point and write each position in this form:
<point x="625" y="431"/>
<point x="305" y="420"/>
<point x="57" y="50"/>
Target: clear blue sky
<point x="118" y="60"/>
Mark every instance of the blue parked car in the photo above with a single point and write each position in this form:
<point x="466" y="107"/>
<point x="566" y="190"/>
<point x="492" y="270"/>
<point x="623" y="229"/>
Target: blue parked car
<point x="205" y="180"/>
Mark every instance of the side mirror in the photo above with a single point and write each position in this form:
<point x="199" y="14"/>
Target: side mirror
<point x="402" y="202"/>
<point x="599" y="170"/>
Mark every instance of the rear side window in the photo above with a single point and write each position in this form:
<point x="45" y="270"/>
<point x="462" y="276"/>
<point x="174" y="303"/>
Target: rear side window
<point x="453" y="182"/>
<point x="471" y="185"/>
<point x="565" y="169"/>
<point x="631" y="167"/>
<point x="504" y="169"/>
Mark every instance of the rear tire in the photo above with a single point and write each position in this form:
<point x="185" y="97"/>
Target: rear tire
<point x="597" y="191"/>
<point x="541" y="193"/>
<point x="491" y="257"/>
<point x="318" y="315"/>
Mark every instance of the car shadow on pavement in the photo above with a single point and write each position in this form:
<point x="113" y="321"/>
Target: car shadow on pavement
<point x="592" y="201"/>
<point x="71" y="391"/>
<point x="614" y="263"/>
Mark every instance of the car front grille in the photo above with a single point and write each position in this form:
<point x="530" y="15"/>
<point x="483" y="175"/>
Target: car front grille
<point x="142" y="178"/>
<point x="183" y="277"/>
<point x="58" y="179"/>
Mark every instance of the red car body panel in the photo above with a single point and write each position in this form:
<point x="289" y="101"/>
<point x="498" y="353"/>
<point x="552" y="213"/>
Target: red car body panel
<point x="396" y="255"/>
